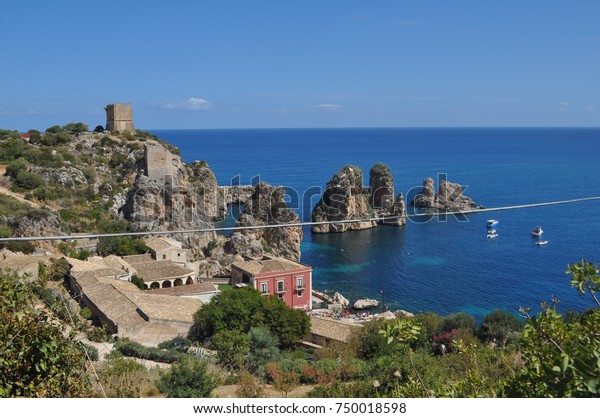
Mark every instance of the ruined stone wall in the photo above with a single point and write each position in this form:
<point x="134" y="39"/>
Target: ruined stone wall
<point x="119" y="117"/>
<point x="161" y="164"/>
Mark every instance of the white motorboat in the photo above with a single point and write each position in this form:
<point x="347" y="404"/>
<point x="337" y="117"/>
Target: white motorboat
<point x="492" y="223"/>
<point x="541" y="242"/>
<point x="492" y="235"/>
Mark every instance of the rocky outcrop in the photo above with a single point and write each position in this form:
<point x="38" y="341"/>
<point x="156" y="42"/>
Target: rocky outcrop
<point x="267" y="206"/>
<point x="381" y="184"/>
<point x="39" y="223"/>
<point x="401" y="313"/>
<point x="339" y="298"/>
<point x="179" y="199"/>
<point x="426" y="199"/>
<point x="365" y="304"/>
<point x="344" y="198"/>
<point x="235" y="194"/>
<point x="449" y="197"/>
<point x="206" y="190"/>
<point x="64" y="176"/>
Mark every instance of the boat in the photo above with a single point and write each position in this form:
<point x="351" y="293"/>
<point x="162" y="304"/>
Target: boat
<point x="541" y="242"/>
<point x="491" y="231"/>
<point x="492" y="222"/>
<point x="492" y="235"/>
<point x="537" y="232"/>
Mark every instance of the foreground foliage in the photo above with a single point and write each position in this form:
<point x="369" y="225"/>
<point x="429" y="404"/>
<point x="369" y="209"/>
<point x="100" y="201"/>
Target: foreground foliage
<point x="38" y="356"/>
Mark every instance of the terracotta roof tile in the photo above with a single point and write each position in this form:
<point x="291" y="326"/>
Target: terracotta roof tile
<point x="190" y="289"/>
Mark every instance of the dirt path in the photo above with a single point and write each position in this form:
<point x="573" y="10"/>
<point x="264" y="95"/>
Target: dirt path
<point x="5" y="188"/>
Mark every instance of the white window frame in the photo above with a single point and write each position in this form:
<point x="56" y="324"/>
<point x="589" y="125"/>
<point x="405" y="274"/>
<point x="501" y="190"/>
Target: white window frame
<point x="264" y="288"/>
<point x="282" y="282"/>
<point x="300" y="280"/>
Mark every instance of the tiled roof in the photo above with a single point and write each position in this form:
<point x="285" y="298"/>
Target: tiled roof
<point x="190" y="289"/>
<point x="162" y="243"/>
<point x="270" y="265"/>
<point x="153" y="273"/>
<point x="330" y="329"/>
<point x="166" y="307"/>
<point x="135" y="259"/>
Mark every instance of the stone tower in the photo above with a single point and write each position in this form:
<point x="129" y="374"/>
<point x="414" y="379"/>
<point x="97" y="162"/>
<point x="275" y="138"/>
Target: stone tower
<point x="119" y="117"/>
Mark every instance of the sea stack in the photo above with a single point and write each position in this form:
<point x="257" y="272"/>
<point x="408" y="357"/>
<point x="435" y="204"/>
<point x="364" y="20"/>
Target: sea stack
<point x="344" y="198"/>
<point x="449" y="197"/>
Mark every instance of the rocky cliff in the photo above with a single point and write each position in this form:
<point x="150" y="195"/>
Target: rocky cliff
<point x="181" y="197"/>
<point x="382" y="200"/>
<point x="344" y="198"/>
<point x="266" y="206"/>
<point x="449" y="197"/>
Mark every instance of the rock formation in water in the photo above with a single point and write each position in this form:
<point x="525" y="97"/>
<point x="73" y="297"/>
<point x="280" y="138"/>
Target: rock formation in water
<point x="426" y="199"/>
<point x="449" y="197"/>
<point x="344" y="198"/>
<point x="267" y="206"/>
<point x="381" y="182"/>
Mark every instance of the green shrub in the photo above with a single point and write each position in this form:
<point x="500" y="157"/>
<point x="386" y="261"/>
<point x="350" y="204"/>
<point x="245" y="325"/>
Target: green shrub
<point x="138" y="281"/>
<point x="29" y="181"/>
<point x="498" y="325"/>
<point x="133" y="349"/>
<point x="458" y="321"/>
<point x="177" y="343"/>
<point x="92" y="351"/>
<point x="25" y="247"/>
<point x="188" y="378"/>
<point x="86" y="313"/>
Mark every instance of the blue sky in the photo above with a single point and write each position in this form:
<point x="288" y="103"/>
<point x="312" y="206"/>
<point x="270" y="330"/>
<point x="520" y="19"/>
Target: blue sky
<point x="273" y="64"/>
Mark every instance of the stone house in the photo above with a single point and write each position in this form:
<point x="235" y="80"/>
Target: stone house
<point x="288" y="280"/>
<point x="164" y="248"/>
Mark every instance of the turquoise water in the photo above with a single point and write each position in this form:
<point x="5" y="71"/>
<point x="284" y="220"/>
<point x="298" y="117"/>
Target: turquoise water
<point x="432" y="265"/>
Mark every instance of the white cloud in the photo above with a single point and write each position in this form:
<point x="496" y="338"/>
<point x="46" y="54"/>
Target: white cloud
<point x="193" y="103"/>
<point x="563" y="106"/>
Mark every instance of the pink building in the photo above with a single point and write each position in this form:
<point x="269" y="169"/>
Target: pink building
<point x="286" y="279"/>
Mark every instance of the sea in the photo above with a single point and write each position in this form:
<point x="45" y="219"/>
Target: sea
<point x="442" y="265"/>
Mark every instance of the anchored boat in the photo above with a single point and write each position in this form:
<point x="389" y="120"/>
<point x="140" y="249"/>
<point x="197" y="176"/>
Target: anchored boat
<point x="492" y="223"/>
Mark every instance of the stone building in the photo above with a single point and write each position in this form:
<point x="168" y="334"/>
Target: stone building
<point x="119" y="117"/>
<point x="164" y="248"/>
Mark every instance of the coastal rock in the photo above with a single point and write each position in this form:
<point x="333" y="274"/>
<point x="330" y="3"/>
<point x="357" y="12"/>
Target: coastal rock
<point x="426" y="199"/>
<point x="381" y="184"/>
<point x="366" y="304"/>
<point x="267" y="206"/>
<point x="339" y="298"/>
<point x="400" y="313"/>
<point x="450" y="197"/>
<point x="344" y="198"/>
<point x="387" y="315"/>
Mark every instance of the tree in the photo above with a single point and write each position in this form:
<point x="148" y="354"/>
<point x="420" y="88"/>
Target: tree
<point x="28" y="180"/>
<point x="243" y="309"/>
<point x="76" y="127"/>
<point x="38" y="356"/>
<point x="231" y="347"/>
<point x="498" y="325"/>
<point x="458" y="321"/>
<point x="263" y="348"/>
<point x="289" y="325"/>
<point x="138" y="281"/>
<point x="188" y="378"/>
<point x="99" y="128"/>
<point x="233" y="309"/>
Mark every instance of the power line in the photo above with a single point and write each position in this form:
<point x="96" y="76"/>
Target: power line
<point x="295" y="224"/>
